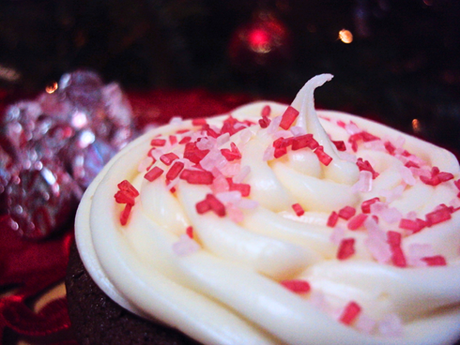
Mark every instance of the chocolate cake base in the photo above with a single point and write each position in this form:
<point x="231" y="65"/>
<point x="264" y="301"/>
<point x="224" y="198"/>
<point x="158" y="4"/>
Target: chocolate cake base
<point x="96" y="319"/>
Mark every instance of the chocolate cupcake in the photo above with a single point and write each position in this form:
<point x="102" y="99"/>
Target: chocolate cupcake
<point x="274" y="224"/>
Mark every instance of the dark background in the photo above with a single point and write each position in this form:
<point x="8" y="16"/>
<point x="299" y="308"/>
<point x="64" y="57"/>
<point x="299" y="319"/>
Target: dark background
<point x="403" y="62"/>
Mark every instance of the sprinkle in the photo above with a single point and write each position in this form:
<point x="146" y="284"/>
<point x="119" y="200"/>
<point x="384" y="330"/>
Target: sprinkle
<point x="189" y="231"/>
<point x="185" y="246"/>
<point x="437" y="260"/>
<point x="288" y="117"/>
<point x="357" y="221"/>
<point x="413" y="225"/>
<point x="126" y="186"/>
<point x="211" y="203"/>
<point x="323" y="156"/>
<point x="279" y="152"/>
<point x="158" y="142"/>
<point x="436" y="177"/>
<point x="264" y="122"/>
<point x="296" y="285"/>
<point x="266" y="110"/>
<point x="337" y="235"/>
<point x="346" y="248"/>
<point x="347" y="212"/>
<point x="168" y="158"/>
<point x="364" y="183"/>
<point x="340" y="145"/>
<point x="366" y="166"/>
<point x="174" y="171"/>
<point x="231" y="154"/>
<point x="298" y="209"/>
<point x="185" y="140"/>
<point x="438" y="216"/>
<point x="243" y="188"/>
<point x="391" y="326"/>
<point x="305" y="140"/>
<point x="153" y="174"/>
<point x="366" y="205"/>
<point x="193" y="153"/>
<point x="332" y="220"/>
<point x="199" y="122"/>
<point x="124" y="216"/>
<point x="361" y="136"/>
<point x="268" y="154"/>
<point x="197" y="176"/>
<point x="350" y="313"/>
<point x="242" y="174"/>
<point x="397" y="255"/>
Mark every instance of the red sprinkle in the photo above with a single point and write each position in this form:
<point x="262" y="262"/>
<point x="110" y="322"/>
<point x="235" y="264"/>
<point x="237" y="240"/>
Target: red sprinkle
<point x="168" y="158"/>
<point x="347" y="212"/>
<point x="185" y="140"/>
<point x="158" y="142"/>
<point x="123" y="197"/>
<point x="288" y="117"/>
<point x="415" y="225"/>
<point x="332" y="220"/>
<point x="323" y="156"/>
<point x="340" y="145"/>
<point x="197" y="176"/>
<point x="350" y="313"/>
<point x="346" y="248"/>
<point x="437" y="177"/>
<point x="266" y="110"/>
<point x="189" y="231"/>
<point x="437" y="260"/>
<point x="199" y="122"/>
<point x="231" y="154"/>
<point x="366" y="166"/>
<point x="174" y="171"/>
<point x="243" y="188"/>
<point x="296" y="285"/>
<point x="124" y="216"/>
<point x="397" y="255"/>
<point x="193" y="153"/>
<point x="125" y="185"/>
<point x="298" y="209"/>
<point x="305" y="140"/>
<point x="172" y="139"/>
<point x="366" y="205"/>
<point x="153" y="174"/>
<point x="357" y="221"/>
<point x="438" y="216"/>
<point x="211" y="203"/>
<point x="279" y="152"/>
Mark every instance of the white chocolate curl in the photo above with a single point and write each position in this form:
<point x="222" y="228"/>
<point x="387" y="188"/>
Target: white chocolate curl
<point x="224" y="287"/>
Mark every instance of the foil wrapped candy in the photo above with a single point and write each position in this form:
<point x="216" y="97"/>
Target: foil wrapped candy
<point x="52" y="147"/>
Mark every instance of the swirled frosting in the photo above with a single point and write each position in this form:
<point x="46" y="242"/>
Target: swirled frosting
<point x="279" y="224"/>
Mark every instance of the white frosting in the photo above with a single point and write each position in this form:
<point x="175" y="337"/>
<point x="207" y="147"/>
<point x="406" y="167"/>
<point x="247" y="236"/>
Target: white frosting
<point x="227" y="289"/>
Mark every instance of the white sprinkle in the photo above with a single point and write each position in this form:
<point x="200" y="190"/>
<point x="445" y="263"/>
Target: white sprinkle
<point x="352" y="128"/>
<point x="175" y="120"/>
<point x="365" y="323"/>
<point x="391" y="326"/>
<point x="269" y="154"/>
<point x="364" y="183"/>
<point x="337" y="235"/>
<point x="407" y="175"/>
<point x="297" y="131"/>
<point x="241" y="176"/>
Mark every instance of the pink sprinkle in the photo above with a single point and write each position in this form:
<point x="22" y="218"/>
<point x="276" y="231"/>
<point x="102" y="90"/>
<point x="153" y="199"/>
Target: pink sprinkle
<point x="357" y="221"/>
<point x="437" y="260"/>
<point x="269" y="154"/>
<point x="158" y="142"/>
<point x="391" y="326"/>
<point x="298" y="209"/>
<point x="350" y="313"/>
<point x="234" y="213"/>
<point x="346" y="248"/>
<point x="337" y="235"/>
<point x="174" y="171"/>
<point x="364" y="183"/>
<point x="185" y="246"/>
<point x="323" y="156"/>
<point x="288" y="117"/>
<point x="332" y="220"/>
<point x="197" y="176"/>
<point x="168" y="158"/>
<point x="351" y="128"/>
<point x="347" y="212"/>
<point x="296" y="285"/>
<point x="153" y="174"/>
<point x="242" y="174"/>
<point x="407" y="176"/>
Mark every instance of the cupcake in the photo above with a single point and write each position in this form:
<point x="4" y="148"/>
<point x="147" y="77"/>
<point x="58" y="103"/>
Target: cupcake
<point x="272" y="224"/>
